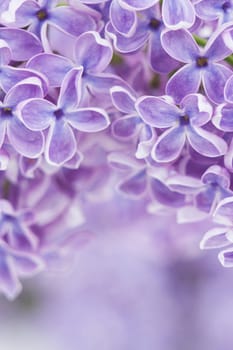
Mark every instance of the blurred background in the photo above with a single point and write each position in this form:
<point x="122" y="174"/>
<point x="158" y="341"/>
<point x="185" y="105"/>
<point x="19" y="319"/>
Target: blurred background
<point x="140" y="283"/>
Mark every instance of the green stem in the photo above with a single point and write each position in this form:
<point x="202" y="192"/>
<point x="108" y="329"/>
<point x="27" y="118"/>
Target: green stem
<point x="202" y="42"/>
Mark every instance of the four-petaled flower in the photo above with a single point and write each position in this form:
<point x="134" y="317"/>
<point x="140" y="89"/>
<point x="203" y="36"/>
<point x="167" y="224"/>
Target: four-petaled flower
<point x="61" y="118"/>
<point x="184" y="123"/>
<point x="201" y="64"/>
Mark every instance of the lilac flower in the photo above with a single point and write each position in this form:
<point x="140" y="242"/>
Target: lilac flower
<point x="38" y="14"/>
<point x="201" y="65"/>
<point x="23" y="140"/>
<point x="148" y="27"/>
<point x="60" y="119"/>
<point x="182" y="124"/>
<point x="91" y="52"/>
<point x="131" y="126"/>
<point x="16" y="46"/>
<point x="210" y="10"/>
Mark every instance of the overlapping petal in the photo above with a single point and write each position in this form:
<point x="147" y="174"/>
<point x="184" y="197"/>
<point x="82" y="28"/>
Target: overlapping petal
<point x="70" y="92"/>
<point x="180" y="45"/>
<point x="185" y="81"/>
<point x="169" y="145"/>
<point x="160" y="60"/>
<point x="55" y="68"/>
<point x="214" y="81"/>
<point x="223" y="118"/>
<point x="123" y="20"/>
<point x="126" y="127"/>
<point x="26" y="142"/>
<point x="60" y="144"/>
<point x="122" y="99"/>
<point x="92" y="52"/>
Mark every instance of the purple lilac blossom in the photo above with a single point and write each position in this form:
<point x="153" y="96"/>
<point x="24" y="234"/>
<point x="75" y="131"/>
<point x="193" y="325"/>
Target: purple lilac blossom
<point x="122" y="100"/>
<point x="38" y="114"/>
<point x="201" y="65"/>
<point x="182" y="124"/>
<point x="210" y="10"/>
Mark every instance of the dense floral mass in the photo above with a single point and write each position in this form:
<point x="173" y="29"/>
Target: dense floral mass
<point x="99" y="98"/>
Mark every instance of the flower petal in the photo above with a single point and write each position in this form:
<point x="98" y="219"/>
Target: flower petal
<point x="28" y="143"/>
<point x="126" y="127"/>
<point x="228" y="90"/>
<point x="225" y="208"/>
<point x="216" y="175"/>
<point x="157" y="112"/>
<point x="207" y="10"/>
<point x="169" y="145"/>
<point x="185" y="81"/>
<point x="72" y="21"/>
<point x="205" y="200"/>
<point x="88" y="119"/>
<point x="198" y="108"/>
<point x="5" y="53"/>
<point x="205" y="142"/>
<point x="135" y="185"/>
<point x="9" y="76"/>
<point x="92" y="52"/>
<point x="162" y="193"/>
<point x="122" y="99"/>
<point x="36" y="113"/>
<point x="178" y="14"/>
<point x="214" y="81"/>
<point x="9" y="283"/>
<point x="215" y="238"/>
<point x="23" y="44"/>
<point x="70" y="92"/>
<point x="223" y="118"/>
<point x="124" y="44"/>
<point x="180" y="45"/>
<point x="216" y="48"/>
<point x="160" y="61"/>
<point x="137" y="4"/>
<point x="61" y="144"/>
<point x="25" y="89"/>
<point x="54" y="67"/>
<point x="124" y="21"/>
<point x="226" y="257"/>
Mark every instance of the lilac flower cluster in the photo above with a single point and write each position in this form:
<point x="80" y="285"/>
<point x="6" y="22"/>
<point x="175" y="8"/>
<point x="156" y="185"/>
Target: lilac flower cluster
<point x="106" y="97"/>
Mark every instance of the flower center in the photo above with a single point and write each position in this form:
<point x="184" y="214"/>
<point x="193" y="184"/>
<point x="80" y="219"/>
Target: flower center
<point x="202" y="62"/>
<point x="58" y="114"/>
<point x="226" y="6"/>
<point x="7" y="112"/>
<point x="154" y="24"/>
<point x="184" y="120"/>
<point x="42" y="15"/>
